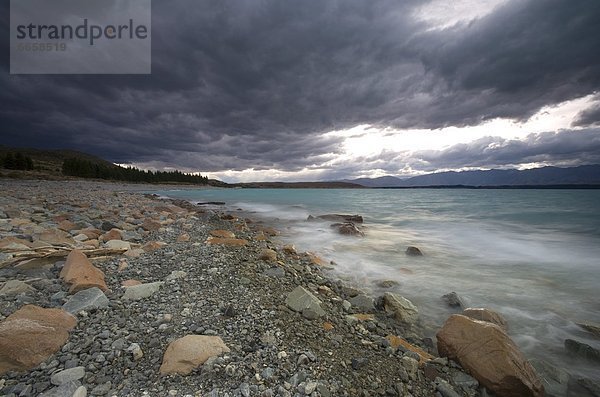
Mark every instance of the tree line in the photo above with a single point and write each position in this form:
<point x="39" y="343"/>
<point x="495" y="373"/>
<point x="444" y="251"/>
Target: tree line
<point x="16" y="161"/>
<point x="88" y="169"/>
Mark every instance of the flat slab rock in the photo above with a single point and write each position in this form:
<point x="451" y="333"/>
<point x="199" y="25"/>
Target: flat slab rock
<point x="32" y="334"/>
<point x="301" y="299"/>
<point x="88" y="299"/>
<point x="142" y="291"/>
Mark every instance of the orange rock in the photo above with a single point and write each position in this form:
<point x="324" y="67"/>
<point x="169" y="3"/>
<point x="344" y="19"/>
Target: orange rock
<point x="8" y="241"/>
<point x="184" y="237"/>
<point x="113" y="234"/>
<point x="268" y="255"/>
<point x="260" y="236"/>
<point x="327" y="326"/>
<point x="488" y="315"/>
<point x="316" y="260"/>
<point x="396" y="341"/>
<point x="67" y="226"/>
<point x="81" y="274"/>
<point x="234" y="242"/>
<point x="150" y="225"/>
<point x="153" y="246"/>
<point x="222" y="233"/>
<point x="188" y="353"/>
<point x="269" y="231"/>
<point x="123" y="264"/>
<point x="486" y="351"/>
<point x="91" y="233"/>
<point x="56" y="237"/>
<point x="31" y="335"/>
<point x="130" y="283"/>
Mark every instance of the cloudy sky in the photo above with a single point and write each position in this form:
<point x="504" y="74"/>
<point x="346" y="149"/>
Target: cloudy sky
<point x="321" y="90"/>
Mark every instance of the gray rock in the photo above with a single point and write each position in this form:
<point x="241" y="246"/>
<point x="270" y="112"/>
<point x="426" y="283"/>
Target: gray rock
<point x="362" y="302"/>
<point x="411" y="365"/>
<point x="67" y="375"/>
<point x="346" y="305"/>
<point x="65" y="390"/>
<point x="245" y="389"/>
<point x="136" y="351"/>
<point x="463" y="380"/>
<point x="402" y="308"/>
<point x="176" y="275"/>
<point x="88" y="299"/>
<point x="555" y="380"/>
<point x="453" y="300"/>
<point x="300" y="299"/>
<point x="117" y="245"/>
<point x="80" y="392"/>
<point x="582" y="350"/>
<point x="102" y="389"/>
<point x="15" y="287"/>
<point x="142" y="291"/>
<point x="445" y="388"/>
<point x="591" y="327"/>
<point x="276" y="272"/>
<point x="413" y="251"/>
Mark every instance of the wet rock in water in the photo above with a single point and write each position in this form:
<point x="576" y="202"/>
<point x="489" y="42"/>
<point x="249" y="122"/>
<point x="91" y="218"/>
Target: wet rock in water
<point x="583" y="350"/>
<point x="347" y="229"/>
<point x="88" y="299"/>
<point x="81" y="274"/>
<point x="268" y="255"/>
<point x="387" y="283"/>
<point x="555" y="380"/>
<point x="591" y="327"/>
<point x="453" y="300"/>
<point x="188" y="353"/>
<point x="337" y="218"/>
<point x="142" y="291"/>
<point x="362" y="302"/>
<point x="488" y="315"/>
<point x="590" y="386"/>
<point x="486" y="351"/>
<point x="402" y="308"/>
<point x="300" y="299"/>
<point x="413" y="251"/>
<point x="31" y="335"/>
<point x="15" y="287"/>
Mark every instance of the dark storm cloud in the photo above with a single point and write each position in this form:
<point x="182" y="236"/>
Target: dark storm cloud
<point x="590" y="116"/>
<point x="239" y="84"/>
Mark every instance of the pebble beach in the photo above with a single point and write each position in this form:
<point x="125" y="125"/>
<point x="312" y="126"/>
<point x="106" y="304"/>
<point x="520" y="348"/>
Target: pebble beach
<point x="123" y="293"/>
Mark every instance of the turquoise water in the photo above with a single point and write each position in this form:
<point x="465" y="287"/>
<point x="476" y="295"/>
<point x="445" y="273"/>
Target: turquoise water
<point x="532" y="255"/>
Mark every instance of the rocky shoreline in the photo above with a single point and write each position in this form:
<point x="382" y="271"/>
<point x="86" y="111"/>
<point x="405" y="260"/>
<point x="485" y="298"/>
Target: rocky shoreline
<point x="172" y="299"/>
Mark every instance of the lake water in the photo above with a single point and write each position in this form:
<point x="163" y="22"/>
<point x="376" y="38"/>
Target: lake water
<point x="532" y="255"/>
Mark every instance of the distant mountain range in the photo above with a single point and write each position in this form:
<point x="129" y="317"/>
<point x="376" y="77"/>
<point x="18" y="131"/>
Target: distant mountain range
<point x="582" y="175"/>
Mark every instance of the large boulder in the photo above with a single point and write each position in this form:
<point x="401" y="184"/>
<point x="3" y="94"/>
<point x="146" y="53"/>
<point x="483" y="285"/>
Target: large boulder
<point x="403" y="309"/>
<point x="486" y="351"/>
<point x="482" y="314"/>
<point x="81" y="274"/>
<point x="188" y="353"/>
<point x="32" y="334"/>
